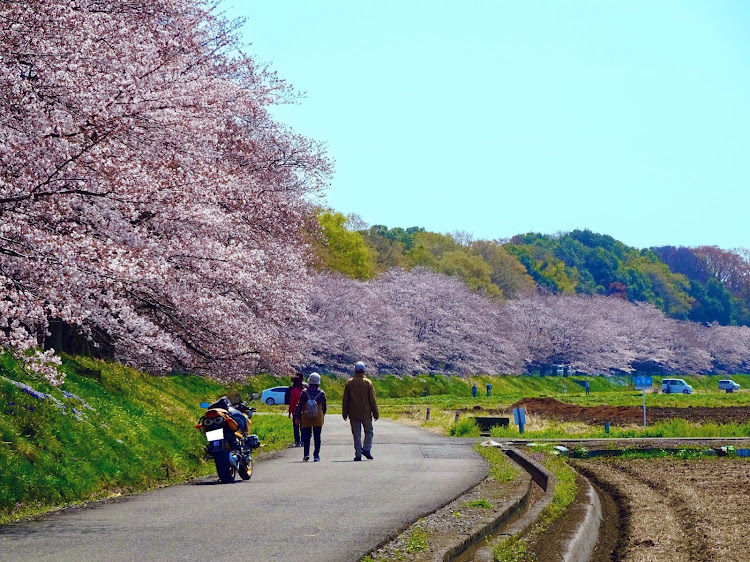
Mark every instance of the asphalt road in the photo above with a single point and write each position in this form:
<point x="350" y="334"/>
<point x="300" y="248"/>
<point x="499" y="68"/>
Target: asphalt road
<point x="333" y="510"/>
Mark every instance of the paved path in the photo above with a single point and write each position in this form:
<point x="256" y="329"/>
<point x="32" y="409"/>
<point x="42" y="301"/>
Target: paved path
<point x="334" y="510"/>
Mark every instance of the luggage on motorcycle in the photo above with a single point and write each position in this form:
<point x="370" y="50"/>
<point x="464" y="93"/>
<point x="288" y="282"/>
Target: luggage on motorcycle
<point x="234" y="397"/>
<point x="239" y="418"/>
<point x="222" y="403"/>
<point x="231" y="422"/>
<point x="252" y="441"/>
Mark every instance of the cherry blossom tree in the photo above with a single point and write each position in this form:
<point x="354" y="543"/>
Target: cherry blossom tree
<point x="406" y="322"/>
<point x="729" y="347"/>
<point x="147" y="197"/>
<point x="419" y="321"/>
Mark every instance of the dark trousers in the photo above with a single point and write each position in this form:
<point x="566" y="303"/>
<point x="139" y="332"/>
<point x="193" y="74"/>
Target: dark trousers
<point x="307" y="432"/>
<point x="297" y="437"/>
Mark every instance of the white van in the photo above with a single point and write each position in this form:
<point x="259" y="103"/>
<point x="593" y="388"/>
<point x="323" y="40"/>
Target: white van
<point x="675" y="386"/>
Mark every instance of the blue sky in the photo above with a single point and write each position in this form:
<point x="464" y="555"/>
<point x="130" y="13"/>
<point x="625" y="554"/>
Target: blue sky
<point x="497" y="118"/>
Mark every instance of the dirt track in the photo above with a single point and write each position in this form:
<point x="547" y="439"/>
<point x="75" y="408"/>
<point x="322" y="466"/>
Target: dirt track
<point x="554" y="409"/>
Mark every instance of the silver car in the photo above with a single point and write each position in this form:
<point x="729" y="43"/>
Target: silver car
<point x="675" y="386"/>
<point x="728" y="385"/>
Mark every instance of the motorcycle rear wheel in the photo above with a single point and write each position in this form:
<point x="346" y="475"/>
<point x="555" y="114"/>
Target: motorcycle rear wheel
<point x="246" y="470"/>
<point x="224" y="469"/>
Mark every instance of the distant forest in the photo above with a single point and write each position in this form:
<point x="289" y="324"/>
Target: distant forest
<point x="703" y="284"/>
<point x="412" y="301"/>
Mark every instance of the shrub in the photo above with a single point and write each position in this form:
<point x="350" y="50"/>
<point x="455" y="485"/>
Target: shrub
<point x="466" y="427"/>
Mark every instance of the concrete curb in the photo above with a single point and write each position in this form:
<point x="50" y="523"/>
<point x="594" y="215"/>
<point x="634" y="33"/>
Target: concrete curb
<point x="582" y="543"/>
<point x="488" y="528"/>
<point x="545" y="479"/>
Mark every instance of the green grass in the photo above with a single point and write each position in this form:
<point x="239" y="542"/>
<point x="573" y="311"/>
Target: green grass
<point x="51" y="456"/>
<point x="127" y="433"/>
<point x="465" y="427"/>
<point x="478" y="504"/>
<point x="501" y="468"/>
<point x="396" y="393"/>
<point x="417" y="540"/>
<point x="444" y="421"/>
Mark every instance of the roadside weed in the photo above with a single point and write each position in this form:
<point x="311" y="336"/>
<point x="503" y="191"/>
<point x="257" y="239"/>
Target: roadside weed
<point x="482" y="504"/>
<point x="417" y="541"/>
<point x="466" y="427"/>
<point x="513" y="549"/>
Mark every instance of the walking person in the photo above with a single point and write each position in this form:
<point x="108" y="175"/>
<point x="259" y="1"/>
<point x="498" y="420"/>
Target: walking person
<point x="489" y="389"/>
<point x="295" y="391"/>
<point x="360" y="407"/>
<point x="474" y="390"/>
<point x="311" y="409"/>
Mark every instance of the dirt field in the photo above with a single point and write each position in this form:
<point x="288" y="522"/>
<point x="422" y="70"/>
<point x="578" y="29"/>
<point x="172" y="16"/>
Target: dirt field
<point x="673" y="510"/>
<point x="553" y="409"/>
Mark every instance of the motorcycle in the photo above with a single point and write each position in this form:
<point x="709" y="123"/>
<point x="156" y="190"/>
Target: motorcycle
<point x="226" y="425"/>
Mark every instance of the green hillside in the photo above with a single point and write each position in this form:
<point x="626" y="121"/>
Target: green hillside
<point x="703" y="284"/>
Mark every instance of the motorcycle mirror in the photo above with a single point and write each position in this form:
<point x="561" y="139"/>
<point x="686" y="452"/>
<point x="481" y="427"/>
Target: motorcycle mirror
<point x="205" y="405"/>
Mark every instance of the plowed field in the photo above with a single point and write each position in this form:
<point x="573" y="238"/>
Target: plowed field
<point x="554" y="409"/>
<point x="674" y="510"/>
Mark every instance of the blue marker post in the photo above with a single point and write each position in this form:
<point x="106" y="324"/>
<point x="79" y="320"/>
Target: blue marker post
<point x="519" y="416"/>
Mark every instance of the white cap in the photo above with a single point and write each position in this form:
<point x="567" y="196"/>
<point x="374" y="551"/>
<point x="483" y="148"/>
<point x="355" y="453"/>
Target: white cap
<point x="314" y="378"/>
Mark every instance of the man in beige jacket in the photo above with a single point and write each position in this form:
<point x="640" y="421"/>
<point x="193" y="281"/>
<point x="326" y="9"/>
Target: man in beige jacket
<point x="360" y="407"/>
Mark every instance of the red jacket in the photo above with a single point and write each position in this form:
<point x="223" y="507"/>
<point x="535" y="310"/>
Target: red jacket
<point x="294" y="393"/>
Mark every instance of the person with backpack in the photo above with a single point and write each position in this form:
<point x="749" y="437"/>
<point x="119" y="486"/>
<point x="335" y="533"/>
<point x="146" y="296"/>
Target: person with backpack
<point x="311" y="409"/>
<point x="359" y="405"/>
<point x="295" y="391"/>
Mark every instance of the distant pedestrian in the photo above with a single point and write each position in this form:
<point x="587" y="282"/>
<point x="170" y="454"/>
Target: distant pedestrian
<point x="489" y="389"/>
<point x="586" y="386"/>
<point x="311" y="409"/>
<point x="359" y="405"/>
<point x="474" y="390"/>
<point x="295" y="391"/>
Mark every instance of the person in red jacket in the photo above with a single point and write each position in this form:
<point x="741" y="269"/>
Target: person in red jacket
<point x="295" y="391"/>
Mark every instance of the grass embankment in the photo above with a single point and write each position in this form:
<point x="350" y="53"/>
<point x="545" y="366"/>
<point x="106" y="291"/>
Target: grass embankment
<point x="107" y="430"/>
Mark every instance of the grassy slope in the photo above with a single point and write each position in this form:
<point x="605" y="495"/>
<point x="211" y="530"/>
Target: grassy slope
<point x="50" y="456"/>
<point x="132" y="432"/>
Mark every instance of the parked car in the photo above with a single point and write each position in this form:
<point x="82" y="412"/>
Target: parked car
<point x="675" y="386"/>
<point x="728" y="385"/>
<point x="275" y="395"/>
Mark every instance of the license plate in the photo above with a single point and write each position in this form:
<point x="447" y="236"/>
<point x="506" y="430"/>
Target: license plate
<point x="215" y="435"/>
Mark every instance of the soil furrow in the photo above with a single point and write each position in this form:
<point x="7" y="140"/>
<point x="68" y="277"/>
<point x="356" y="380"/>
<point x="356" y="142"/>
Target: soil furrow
<point x="615" y="525"/>
<point x="698" y="549"/>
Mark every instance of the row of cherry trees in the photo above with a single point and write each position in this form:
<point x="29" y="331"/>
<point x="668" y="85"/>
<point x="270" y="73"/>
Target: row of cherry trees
<point x="151" y="205"/>
<point x="147" y="197"/>
<point x="419" y="321"/>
